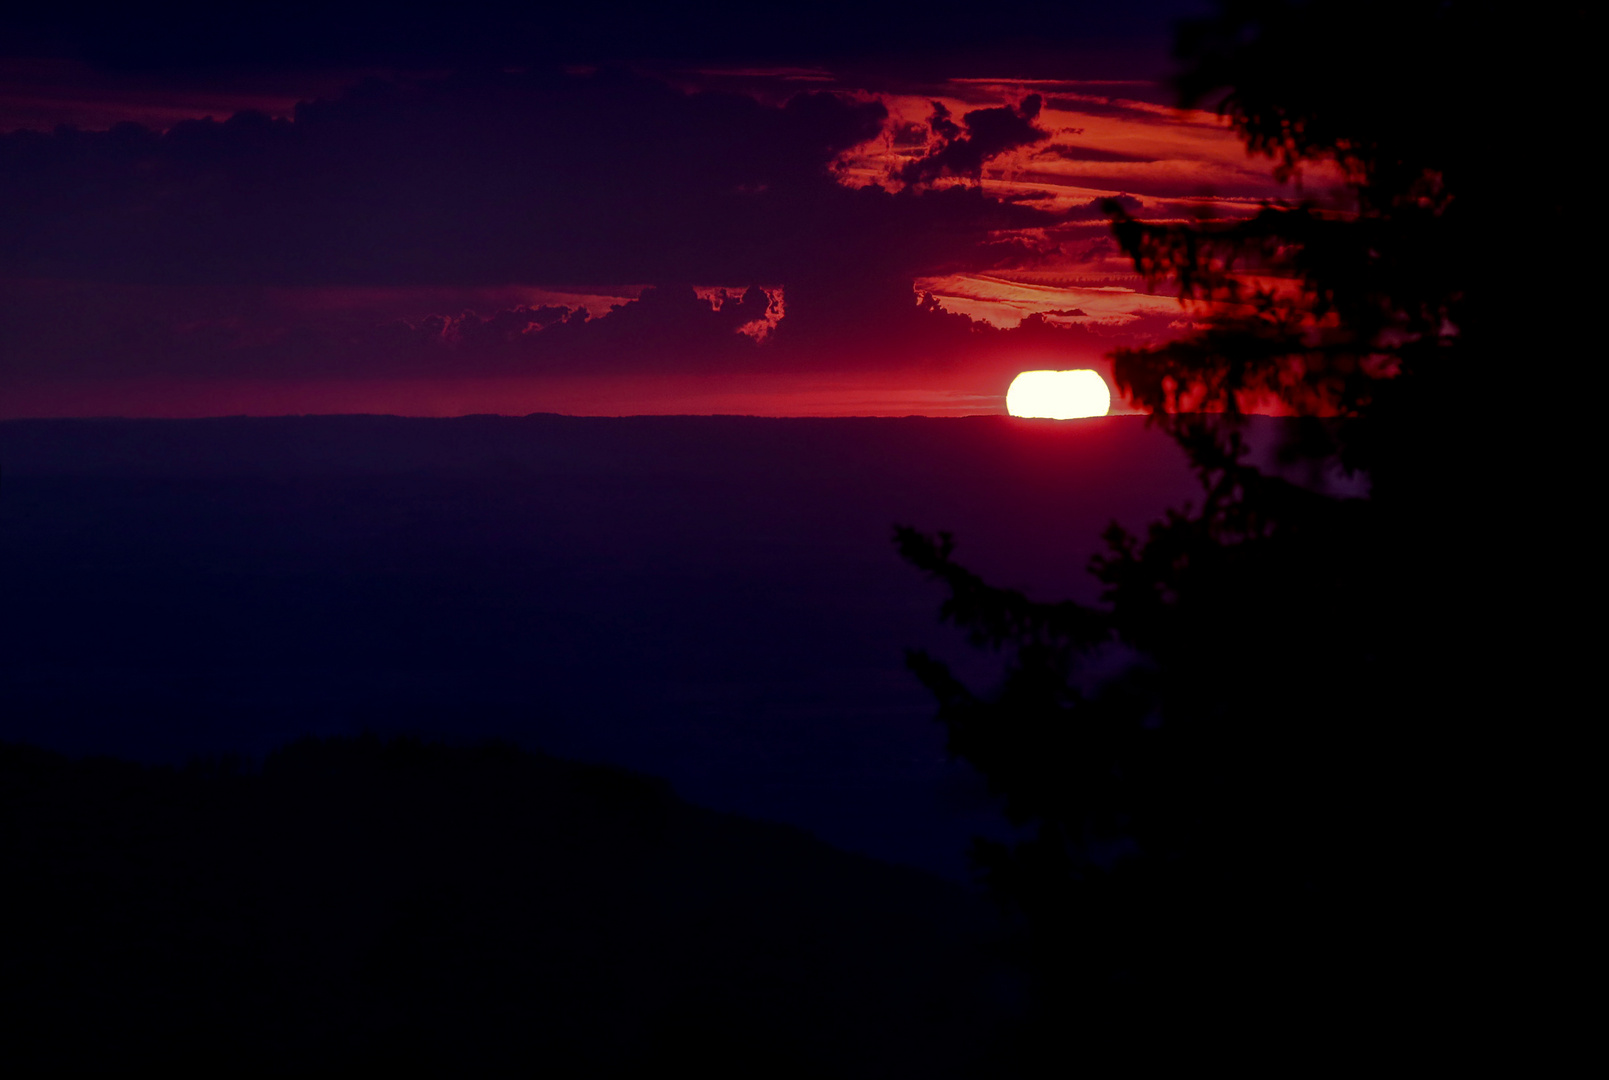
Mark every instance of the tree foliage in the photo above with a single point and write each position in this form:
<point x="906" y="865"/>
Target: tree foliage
<point x="1252" y="812"/>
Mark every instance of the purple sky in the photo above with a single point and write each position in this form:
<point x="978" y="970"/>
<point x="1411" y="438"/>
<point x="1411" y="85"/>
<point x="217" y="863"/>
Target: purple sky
<point x="823" y="210"/>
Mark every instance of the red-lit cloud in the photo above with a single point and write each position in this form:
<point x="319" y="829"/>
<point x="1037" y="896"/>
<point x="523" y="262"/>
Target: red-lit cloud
<point x="741" y="238"/>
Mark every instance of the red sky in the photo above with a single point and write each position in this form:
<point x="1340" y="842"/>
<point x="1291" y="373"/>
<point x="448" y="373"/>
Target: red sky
<point x="591" y="239"/>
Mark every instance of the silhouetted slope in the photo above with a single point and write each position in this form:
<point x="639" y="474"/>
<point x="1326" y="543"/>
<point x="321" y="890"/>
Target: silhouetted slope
<point x="360" y="903"/>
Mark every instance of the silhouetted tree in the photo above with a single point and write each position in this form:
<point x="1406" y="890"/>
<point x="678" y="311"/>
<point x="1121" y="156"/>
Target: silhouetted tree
<point x="1263" y="809"/>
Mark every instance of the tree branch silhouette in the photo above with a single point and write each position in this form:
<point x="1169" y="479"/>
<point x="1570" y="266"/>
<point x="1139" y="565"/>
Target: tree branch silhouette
<point x="1275" y="759"/>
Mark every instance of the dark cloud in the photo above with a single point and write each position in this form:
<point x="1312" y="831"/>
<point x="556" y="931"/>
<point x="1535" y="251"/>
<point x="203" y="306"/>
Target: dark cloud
<point x="1127" y="109"/>
<point x="1189" y="179"/>
<point x="469" y="179"/>
<point x="81" y="332"/>
<point x="541" y="162"/>
<point x="1095" y="209"/>
<point x="172" y="241"/>
<point x="532" y="177"/>
<point x="962" y="149"/>
<point x="908" y="136"/>
<point x="1090" y="153"/>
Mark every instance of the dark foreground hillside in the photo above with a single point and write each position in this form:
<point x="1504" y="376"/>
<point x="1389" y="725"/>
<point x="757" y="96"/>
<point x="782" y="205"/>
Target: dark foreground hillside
<point x="356" y="903"/>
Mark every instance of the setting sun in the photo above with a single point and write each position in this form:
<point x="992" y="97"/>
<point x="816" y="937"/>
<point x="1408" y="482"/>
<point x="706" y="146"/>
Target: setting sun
<point x="1058" y="395"/>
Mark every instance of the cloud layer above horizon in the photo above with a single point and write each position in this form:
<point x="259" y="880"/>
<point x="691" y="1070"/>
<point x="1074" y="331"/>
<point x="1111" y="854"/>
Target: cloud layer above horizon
<point x="795" y="230"/>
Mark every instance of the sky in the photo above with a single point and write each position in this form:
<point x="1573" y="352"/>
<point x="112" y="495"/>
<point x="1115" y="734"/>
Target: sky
<point x="810" y="209"/>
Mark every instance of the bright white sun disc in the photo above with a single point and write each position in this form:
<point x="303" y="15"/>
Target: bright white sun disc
<point x="1058" y="395"/>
